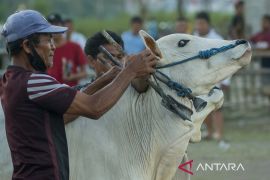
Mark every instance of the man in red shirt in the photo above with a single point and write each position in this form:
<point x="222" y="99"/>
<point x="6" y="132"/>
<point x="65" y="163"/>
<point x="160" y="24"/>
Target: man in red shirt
<point x="261" y="39"/>
<point x="69" y="61"/>
<point x="34" y="103"/>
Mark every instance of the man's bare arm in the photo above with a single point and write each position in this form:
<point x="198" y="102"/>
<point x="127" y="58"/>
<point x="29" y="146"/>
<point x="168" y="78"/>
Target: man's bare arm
<point x="98" y="84"/>
<point x="97" y="104"/>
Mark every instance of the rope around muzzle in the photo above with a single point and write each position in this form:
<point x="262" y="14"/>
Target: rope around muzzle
<point x="206" y="54"/>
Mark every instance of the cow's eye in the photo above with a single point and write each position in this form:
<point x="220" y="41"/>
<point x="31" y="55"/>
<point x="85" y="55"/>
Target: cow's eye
<point x="182" y="42"/>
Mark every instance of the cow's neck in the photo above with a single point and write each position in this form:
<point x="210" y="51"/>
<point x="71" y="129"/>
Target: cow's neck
<point x="159" y="132"/>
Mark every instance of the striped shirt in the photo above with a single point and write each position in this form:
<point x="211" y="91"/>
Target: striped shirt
<point x="34" y="104"/>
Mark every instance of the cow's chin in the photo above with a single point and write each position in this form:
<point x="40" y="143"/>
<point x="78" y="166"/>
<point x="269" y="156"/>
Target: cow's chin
<point x="214" y="101"/>
<point x="245" y="59"/>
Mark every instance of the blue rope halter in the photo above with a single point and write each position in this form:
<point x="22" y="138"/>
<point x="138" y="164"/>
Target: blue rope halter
<point x="205" y="54"/>
<point x="180" y="89"/>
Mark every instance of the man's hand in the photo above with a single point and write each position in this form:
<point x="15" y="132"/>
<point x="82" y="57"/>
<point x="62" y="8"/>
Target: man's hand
<point x="142" y="64"/>
<point x="113" y="72"/>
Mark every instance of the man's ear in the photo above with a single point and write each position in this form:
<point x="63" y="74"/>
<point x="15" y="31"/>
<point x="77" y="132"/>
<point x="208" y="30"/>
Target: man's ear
<point x="26" y="46"/>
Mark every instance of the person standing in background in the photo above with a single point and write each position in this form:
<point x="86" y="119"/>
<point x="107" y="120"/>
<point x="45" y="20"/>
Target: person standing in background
<point x="203" y="27"/>
<point x="132" y="41"/>
<point x="181" y="25"/>
<point x="261" y="40"/>
<point x="237" y="25"/>
<point x="74" y="36"/>
<point x="69" y="60"/>
<point x="215" y="121"/>
<point x="152" y="28"/>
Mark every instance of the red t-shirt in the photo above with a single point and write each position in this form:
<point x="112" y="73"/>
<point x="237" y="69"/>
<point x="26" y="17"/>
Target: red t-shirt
<point x="261" y="36"/>
<point x="34" y="104"/>
<point x="67" y="59"/>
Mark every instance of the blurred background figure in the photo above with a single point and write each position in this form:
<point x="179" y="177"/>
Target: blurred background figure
<point x="203" y="27"/>
<point x="215" y="121"/>
<point x="152" y="27"/>
<point x="74" y="36"/>
<point x="69" y="61"/>
<point x="181" y="25"/>
<point x="132" y="41"/>
<point x="237" y="26"/>
<point x="261" y="40"/>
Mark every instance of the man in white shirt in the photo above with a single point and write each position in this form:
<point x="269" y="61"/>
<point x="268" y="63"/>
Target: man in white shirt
<point x="203" y="29"/>
<point x="73" y="35"/>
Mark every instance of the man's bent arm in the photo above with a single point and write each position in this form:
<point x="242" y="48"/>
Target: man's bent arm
<point x="94" y="87"/>
<point x="95" y="105"/>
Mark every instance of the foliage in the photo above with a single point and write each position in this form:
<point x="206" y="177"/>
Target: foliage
<point x="95" y="15"/>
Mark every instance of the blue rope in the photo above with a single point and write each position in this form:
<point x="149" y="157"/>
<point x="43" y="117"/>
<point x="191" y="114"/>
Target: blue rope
<point x="181" y="91"/>
<point x="205" y="54"/>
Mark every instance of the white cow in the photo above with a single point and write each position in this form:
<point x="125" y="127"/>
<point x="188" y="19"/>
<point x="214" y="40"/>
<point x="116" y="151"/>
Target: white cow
<point x="138" y="139"/>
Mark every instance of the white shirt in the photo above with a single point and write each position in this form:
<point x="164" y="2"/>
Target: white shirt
<point x="78" y="38"/>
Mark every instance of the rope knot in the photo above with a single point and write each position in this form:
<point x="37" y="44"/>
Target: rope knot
<point x="208" y="53"/>
<point x="180" y="90"/>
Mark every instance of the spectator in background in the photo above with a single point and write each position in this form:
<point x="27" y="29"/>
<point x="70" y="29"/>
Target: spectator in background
<point x="73" y="35"/>
<point x="261" y="40"/>
<point x="69" y="61"/>
<point x="152" y="28"/>
<point x="203" y="27"/>
<point x="215" y="121"/>
<point x="181" y="25"/>
<point x="132" y="41"/>
<point x="237" y="25"/>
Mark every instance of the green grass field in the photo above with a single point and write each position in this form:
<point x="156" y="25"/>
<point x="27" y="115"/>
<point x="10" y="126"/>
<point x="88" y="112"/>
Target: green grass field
<point x="249" y="138"/>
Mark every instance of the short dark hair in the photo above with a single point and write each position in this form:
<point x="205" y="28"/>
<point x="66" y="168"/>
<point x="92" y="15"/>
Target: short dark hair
<point x="92" y="43"/>
<point x="203" y="15"/>
<point x="136" y="19"/>
<point x="14" y="48"/>
<point x="239" y="3"/>
<point x="266" y="17"/>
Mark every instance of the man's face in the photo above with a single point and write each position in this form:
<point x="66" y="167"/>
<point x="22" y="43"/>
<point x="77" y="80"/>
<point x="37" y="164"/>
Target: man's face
<point x="114" y="51"/>
<point x="202" y="27"/>
<point x="181" y="27"/>
<point x="69" y="25"/>
<point x="265" y="24"/>
<point x="45" y="48"/>
<point x="101" y="64"/>
<point x="239" y="9"/>
<point x="136" y="27"/>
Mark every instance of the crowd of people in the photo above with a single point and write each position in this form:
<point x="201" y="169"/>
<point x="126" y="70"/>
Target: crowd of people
<point x="48" y="61"/>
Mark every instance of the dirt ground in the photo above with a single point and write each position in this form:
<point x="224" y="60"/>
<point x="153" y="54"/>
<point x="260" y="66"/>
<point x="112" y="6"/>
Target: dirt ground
<point x="248" y="135"/>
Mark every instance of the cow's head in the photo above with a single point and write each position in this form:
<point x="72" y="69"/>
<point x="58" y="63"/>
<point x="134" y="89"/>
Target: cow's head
<point x="200" y="75"/>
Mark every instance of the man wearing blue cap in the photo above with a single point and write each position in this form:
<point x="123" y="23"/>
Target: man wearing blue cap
<point x="34" y="103"/>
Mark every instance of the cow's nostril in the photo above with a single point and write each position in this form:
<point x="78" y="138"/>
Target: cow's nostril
<point x="241" y="41"/>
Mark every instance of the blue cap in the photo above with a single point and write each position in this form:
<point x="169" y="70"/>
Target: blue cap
<point x="24" y="23"/>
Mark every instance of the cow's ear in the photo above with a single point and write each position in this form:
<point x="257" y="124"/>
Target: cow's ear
<point x="150" y="43"/>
